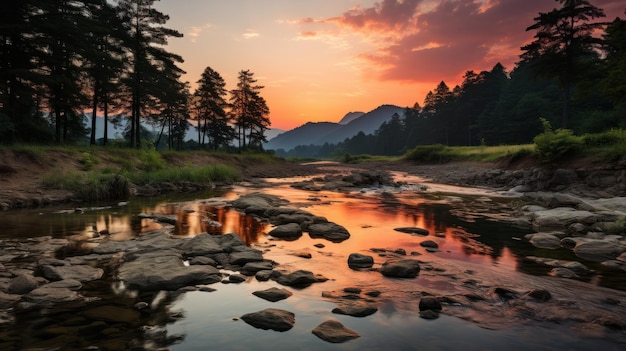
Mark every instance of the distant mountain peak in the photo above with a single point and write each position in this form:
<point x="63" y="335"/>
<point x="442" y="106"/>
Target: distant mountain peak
<point x="319" y="133"/>
<point x="350" y="116"/>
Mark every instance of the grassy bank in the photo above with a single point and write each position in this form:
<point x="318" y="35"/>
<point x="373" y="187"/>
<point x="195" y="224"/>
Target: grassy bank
<point x="96" y="173"/>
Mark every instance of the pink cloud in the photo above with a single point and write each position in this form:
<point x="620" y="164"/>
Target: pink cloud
<point x="430" y="41"/>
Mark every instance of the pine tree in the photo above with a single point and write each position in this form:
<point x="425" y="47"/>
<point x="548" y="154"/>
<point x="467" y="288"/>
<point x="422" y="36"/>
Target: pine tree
<point x="564" y="43"/>
<point x="153" y="70"/>
<point x="249" y="110"/>
<point x="210" y="110"/>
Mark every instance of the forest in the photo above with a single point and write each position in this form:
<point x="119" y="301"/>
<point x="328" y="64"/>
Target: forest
<point x="62" y="58"/>
<point x="571" y="75"/>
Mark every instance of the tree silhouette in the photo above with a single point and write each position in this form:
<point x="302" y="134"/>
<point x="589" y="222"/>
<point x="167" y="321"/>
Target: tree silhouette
<point x="249" y="110"/>
<point x="564" y="44"/>
<point x="209" y="104"/>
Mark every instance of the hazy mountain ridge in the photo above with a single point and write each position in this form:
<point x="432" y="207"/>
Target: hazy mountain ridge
<point x="333" y="133"/>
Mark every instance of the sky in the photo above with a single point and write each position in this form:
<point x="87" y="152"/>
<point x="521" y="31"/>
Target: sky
<point x="320" y="59"/>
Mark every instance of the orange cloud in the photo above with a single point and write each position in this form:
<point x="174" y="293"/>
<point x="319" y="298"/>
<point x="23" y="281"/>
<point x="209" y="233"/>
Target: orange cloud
<point x="420" y="40"/>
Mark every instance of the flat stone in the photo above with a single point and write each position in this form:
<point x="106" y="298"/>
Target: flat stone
<point x="273" y="294"/>
<point x="82" y="273"/>
<point x="201" y="245"/>
<point x="251" y="268"/>
<point x="413" y="231"/>
<point x="356" y="309"/>
<point x="46" y="295"/>
<point x="300" y="278"/>
<point x="334" y="332"/>
<point x="271" y="318"/>
<point x="22" y="284"/>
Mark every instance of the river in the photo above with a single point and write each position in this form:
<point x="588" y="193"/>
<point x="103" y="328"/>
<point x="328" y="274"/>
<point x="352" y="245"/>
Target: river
<point x="476" y="253"/>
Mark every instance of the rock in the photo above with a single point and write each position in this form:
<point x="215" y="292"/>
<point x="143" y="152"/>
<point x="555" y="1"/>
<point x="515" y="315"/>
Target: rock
<point x="545" y="241"/>
<point x="355" y="309"/>
<point x="202" y="260"/>
<point x="429" y="314"/>
<point x="540" y="295"/>
<point x="251" y="268"/>
<point x="329" y="231"/>
<point x="271" y="318"/>
<point x="7" y="300"/>
<point x="334" y="332"/>
<point x="577" y="229"/>
<point x="22" y="284"/>
<point x="48" y="296"/>
<point x="413" y="231"/>
<point x="201" y="245"/>
<point x="246" y="255"/>
<point x="236" y="278"/>
<point x="429" y="303"/>
<point x="598" y="250"/>
<point x="300" y="278"/>
<point x="563" y="273"/>
<point x="70" y="284"/>
<point x="273" y="294"/>
<point x="573" y="266"/>
<point x="287" y="231"/>
<point x="164" y="271"/>
<point x="82" y="273"/>
<point x="264" y="275"/>
<point x="505" y="294"/>
<point x="561" y="217"/>
<point x="400" y="269"/>
<point x="357" y="260"/>
<point x="429" y="244"/>
<point x="320" y="245"/>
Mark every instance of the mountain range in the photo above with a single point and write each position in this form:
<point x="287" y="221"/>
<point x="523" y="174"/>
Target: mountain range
<point x="319" y="133"/>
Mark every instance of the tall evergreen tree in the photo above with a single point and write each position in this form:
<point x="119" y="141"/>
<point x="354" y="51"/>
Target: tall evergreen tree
<point x="249" y="110"/>
<point x="153" y="70"/>
<point x="564" y="43"/>
<point x="210" y="110"/>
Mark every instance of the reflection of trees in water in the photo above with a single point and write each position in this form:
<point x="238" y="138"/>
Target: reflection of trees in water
<point x="112" y="322"/>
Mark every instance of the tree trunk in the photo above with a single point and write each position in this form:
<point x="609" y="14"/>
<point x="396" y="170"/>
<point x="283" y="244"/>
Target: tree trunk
<point x="92" y="140"/>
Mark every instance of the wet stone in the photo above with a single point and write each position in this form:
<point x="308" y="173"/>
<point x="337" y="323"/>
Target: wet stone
<point x="334" y="332"/>
<point x="271" y="318"/>
<point x="273" y="294"/>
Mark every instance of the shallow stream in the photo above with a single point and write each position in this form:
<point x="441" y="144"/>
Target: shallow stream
<point x="476" y="253"/>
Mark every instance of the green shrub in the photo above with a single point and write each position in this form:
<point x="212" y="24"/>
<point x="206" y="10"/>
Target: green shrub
<point x="428" y="153"/>
<point x="90" y="187"/>
<point x="609" y="137"/>
<point x="555" y="145"/>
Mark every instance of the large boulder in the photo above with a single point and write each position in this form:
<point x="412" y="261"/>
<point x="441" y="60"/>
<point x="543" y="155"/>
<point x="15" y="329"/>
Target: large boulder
<point x="201" y="245"/>
<point x="598" y="250"/>
<point x="561" y="217"/>
<point x="271" y="318"/>
<point x="335" y="332"/>
<point x="400" y="269"/>
<point x="329" y="231"/>
<point x="164" y="271"/>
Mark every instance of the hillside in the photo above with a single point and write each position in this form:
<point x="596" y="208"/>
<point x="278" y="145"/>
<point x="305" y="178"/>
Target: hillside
<point x="333" y="133"/>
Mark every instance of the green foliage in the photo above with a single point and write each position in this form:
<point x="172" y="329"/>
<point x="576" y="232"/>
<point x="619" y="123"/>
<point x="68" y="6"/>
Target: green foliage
<point x="553" y="146"/>
<point x="609" y="137"/>
<point x="428" y="153"/>
<point x="89" y="160"/>
<point x="90" y="187"/>
<point x="205" y="174"/>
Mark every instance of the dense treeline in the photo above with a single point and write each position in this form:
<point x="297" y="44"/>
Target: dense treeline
<point x="569" y="76"/>
<point x="59" y="58"/>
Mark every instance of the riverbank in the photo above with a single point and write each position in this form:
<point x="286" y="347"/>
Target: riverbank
<point x="24" y="173"/>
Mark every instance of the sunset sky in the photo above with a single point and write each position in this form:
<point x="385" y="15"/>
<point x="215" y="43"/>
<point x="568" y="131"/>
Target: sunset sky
<point x="319" y="59"/>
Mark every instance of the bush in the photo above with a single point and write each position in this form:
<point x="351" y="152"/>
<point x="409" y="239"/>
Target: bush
<point x="428" y="153"/>
<point x="609" y="137"/>
<point x="554" y="145"/>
